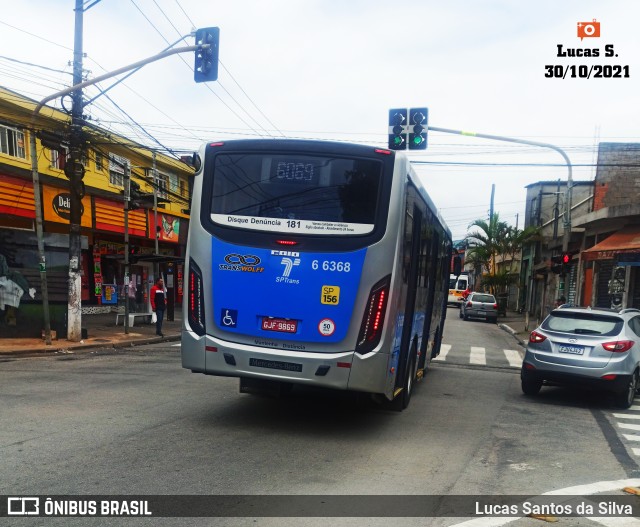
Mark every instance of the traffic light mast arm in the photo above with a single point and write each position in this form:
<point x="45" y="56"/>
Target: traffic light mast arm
<point x="567" y="206"/>
<point x="114" y="73"/>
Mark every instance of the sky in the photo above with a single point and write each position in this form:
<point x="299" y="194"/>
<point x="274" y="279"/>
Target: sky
<point x="330" y="70"/>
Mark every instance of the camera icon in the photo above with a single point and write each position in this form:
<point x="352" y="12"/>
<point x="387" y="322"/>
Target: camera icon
<point x="588" y="29"/>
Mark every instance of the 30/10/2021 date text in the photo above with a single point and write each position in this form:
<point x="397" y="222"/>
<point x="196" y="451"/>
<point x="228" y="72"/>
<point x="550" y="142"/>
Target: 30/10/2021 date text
<point x="583" y="71"/>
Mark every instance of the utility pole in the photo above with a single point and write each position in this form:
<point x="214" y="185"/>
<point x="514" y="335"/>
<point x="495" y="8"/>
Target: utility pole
<point x="43" y="263"/>
<point x="493" y="195"/>
<point x="155" y="204"/>
<point x="75" y="172"/>
<point x="491" y="223"/>
<point x="127" y="200"/>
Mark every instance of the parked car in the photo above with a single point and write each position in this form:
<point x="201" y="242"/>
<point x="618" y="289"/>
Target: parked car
<point x="584" y="345"/>
<point x="480" y="305"/>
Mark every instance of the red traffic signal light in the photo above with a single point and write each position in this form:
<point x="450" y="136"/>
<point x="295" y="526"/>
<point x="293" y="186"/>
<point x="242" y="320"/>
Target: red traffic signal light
<point x="566" y="258"/>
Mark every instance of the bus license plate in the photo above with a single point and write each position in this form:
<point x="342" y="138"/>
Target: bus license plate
<point x="282" y="325"/>
<point x="576" y="350"/>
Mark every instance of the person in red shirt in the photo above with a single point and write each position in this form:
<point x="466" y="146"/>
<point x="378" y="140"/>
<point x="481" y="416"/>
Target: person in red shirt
<point x="158" y="303"/>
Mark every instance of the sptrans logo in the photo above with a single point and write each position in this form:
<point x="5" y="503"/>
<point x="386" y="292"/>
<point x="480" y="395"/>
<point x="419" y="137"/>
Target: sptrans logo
<point x="289" y="264"/>
<point x="588" y="29"/>
<point x="289" y="261"/>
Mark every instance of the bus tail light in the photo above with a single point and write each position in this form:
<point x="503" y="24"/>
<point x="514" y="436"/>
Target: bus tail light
<point x="195" y="309"/>
<point x="373" y="320"/>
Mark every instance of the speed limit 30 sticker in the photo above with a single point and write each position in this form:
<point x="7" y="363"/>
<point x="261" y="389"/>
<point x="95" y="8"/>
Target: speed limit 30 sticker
<point x="326" y="327"/>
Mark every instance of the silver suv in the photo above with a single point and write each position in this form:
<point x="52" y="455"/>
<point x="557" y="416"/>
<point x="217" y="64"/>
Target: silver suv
<point x="575" y="344"/>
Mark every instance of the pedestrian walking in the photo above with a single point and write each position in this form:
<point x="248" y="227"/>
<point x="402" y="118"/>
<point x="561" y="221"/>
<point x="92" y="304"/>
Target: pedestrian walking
<point x="132" y="295"/>
<point x="158" y="303"/>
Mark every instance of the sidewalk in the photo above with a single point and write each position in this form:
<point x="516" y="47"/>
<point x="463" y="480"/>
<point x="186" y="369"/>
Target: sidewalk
<point x="102" y="332"/>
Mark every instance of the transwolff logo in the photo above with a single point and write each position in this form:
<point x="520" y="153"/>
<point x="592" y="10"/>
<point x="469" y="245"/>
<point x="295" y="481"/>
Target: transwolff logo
<point x="289" y="264"/>
<point x="245" y="263"/>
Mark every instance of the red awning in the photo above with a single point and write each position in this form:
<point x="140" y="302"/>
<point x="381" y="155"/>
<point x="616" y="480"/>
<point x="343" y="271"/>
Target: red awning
<point x="624" y="241"/>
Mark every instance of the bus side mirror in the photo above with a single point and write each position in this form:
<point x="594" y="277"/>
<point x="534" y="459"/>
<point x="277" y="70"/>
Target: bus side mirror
<point x="457" y="265"/>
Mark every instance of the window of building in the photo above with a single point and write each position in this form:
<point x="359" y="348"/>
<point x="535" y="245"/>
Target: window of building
<point x="116" y="169"/>
<point x="99" y="161"/>
<point x="184" y="188"/>
<point x="59" y="157"/>
<point x="163" y="185"/>
<point x="533" y="214"/>
<point x="12" y="142"/>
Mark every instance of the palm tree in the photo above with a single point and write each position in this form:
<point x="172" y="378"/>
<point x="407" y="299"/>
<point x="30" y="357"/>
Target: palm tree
<point x="496" y="238"/>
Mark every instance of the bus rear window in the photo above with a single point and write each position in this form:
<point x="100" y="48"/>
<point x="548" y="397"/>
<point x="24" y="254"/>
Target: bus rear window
<point x="305" y="194"/>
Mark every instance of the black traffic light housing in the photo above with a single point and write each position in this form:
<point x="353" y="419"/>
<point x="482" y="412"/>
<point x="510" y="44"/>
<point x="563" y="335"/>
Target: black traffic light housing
<point x="556" y="264"/>
<point x="418" y="120"/>
<point x="561" y="263"/>
<point x="398" y="129"/>
<point x="205" y="67"/>
<point x="139" y="199"/>
<point x="134" y="251"/>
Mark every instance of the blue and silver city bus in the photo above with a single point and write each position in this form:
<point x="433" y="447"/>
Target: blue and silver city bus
<point x="315" y="263"/>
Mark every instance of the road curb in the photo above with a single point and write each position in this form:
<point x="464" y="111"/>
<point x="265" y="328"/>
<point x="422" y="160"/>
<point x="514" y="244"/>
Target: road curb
<point x="513" y="332"/>
<point x="93" y="345"/>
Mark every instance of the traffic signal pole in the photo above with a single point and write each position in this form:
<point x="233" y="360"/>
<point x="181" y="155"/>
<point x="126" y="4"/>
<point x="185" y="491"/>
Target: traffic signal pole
<point x="75" y="169"/>
<point x="567" y="205"/>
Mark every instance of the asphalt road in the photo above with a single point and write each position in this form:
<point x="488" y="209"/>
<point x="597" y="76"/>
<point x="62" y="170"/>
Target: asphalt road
<point x="134" y="422"/>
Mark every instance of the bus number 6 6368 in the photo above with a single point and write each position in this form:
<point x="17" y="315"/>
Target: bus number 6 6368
<point x="330" y="265"/>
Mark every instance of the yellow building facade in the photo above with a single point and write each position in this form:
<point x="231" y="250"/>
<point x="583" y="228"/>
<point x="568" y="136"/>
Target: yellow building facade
<point x="157" y="234"/>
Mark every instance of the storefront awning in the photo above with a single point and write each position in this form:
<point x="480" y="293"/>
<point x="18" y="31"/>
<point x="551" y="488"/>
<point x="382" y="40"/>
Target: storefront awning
<point x="626" y="241"/>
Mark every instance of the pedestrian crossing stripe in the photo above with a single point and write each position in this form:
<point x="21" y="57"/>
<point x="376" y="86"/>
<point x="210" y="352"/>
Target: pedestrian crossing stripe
<point x="514" y="358"/>
<point x="626" y="416"/>
<point x="444" y="349"/>
<point x="479" y="356"/>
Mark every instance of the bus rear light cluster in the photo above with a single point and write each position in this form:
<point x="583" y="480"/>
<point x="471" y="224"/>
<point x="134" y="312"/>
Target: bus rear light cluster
<point x="373" y="320"/>
<point x="195" y="309"/>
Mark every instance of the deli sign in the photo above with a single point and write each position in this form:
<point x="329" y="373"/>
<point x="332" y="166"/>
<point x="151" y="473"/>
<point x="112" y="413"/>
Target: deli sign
<point x="57" y="206"/>
<point x="62" y="205"/>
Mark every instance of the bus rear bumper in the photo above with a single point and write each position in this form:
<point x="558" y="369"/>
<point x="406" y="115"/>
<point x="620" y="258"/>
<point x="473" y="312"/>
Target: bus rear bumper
<point x="342" y="371"/>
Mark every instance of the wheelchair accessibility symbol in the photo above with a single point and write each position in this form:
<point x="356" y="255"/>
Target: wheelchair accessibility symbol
<point x="228" y="318"/>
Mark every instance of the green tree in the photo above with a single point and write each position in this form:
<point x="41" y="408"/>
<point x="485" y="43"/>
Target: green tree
<point x="495" y="238"/>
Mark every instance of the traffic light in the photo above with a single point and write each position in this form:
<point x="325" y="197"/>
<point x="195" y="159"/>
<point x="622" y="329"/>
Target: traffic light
<point x="139" y="199"/>
<point x="556" y="264"/>
<point x="206" y="60"/>
<point x="418" y="119"/>
<point x="397" y="129"/>
<point x="134" y="251"/>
